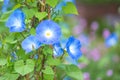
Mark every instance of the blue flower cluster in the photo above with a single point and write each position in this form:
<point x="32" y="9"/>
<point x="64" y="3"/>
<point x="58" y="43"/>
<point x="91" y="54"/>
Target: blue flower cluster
<point x="47" y="32"/>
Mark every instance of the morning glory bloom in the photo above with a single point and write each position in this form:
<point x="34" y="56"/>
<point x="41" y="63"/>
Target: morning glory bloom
<point x="30" y="43"/>
<point x="67" y="78"/>
<point x="16" y="21"/>
<point x="13" y="56"/>
<point x="5" y="5"/>
<point x="58" y="51"/>
<point x="36" y="56"/>
<point x="63" y="3"/>
<point x="73" y="48"/>
<point x="111" y="40"/>
<point x="48" y="32"/>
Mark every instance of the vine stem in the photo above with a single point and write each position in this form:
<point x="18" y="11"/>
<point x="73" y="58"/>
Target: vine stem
<point x="22" y="35"/>
<point x="62" y="55"/>
<point x="49" y="12"/>
<point x="27" y="77"/>
<point x="42" y="67"/>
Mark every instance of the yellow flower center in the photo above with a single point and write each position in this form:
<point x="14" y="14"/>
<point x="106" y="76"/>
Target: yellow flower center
<point x="48" y="34"/>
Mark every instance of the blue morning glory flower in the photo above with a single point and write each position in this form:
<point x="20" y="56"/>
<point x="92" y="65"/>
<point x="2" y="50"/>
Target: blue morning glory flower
<point x="63" y="3"/>
<point x="5" y="5"/>
<point x="36" y="56"/>
<point x="67" y="78"/>
<point x="13" y="56"/>
<point x="58" y="51"/>
<point x="16" y="21"/>
<point x="59" y="6"/>
<point x="73" y="48"/>
<point x="111" y="40"/>
<point x="30" y="43"/>
<point x="48" y="32"/>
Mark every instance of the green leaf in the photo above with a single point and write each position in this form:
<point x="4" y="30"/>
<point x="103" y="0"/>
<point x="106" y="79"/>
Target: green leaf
<point x="41" y="15"/>
<point x="1" y="0"/>
<point x="52" y="3"/>
<point x="9" y="76"/>
<point x="48" y="70"/>
<point x="3" y="28"/>
<point x="5" y="16"/>
<point x="28" y="1"/>
<point x="3" y="61"/>
<point x="70" y="8"/>
<point x="11" y="39"/>
<point x="17" y="6"/>
<point x="48" y="73"/>
<point x="29" y="12"/>
<point x="24" y="68"/>
<point x="74" y="72"/>
<point x="33" y="31"/>
<point x="53" y="62"/>
<point x="47" y="50"/>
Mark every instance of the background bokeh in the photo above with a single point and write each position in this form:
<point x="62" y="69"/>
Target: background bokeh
<point x="98" y="29"/>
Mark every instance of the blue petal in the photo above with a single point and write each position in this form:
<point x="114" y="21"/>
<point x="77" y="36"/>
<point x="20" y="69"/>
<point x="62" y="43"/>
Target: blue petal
<point x="59" y="6"/>
<point x="71" y="60"/>
<point x="6" y="2"/>
<point x="58" y="51"/>
<point x="73" y="48"/>
<point x="63" y="3"/>
<point x="30" y="43"/>
<point x="52" y="27"/>
<point x="67" y="78"/>
<point x="5" y="5"/>
<point x="36" y="56"/>
<point x="111" y="40"/>
<point x="16" y="21"/>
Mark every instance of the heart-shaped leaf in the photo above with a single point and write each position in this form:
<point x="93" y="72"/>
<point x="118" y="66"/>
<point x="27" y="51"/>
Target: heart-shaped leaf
<point x="24" y="68"/>
<point x="70" y="8"/>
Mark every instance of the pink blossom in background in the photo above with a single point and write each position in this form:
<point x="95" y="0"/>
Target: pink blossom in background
<point x="80" y="27"/>
<point x="86" y="76"/>
<point x="99" y="78"/>
<point x="84" y="39"/>
<point x="109" y="72"/>
<point x="78" y="30"/>
<point x="106" y="33"/>
<point x="84" y="50"/>
<point x="94" y="25"/>
<point x="82" y="65"/>
<point x="116" y="58"/>
<point x="83" y="22"/>
<point x="92" y="36"/>
<point x="95" y="54"/>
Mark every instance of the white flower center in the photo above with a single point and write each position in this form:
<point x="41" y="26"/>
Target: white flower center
<point x="72" y="49"/>
<point x="17" y="23"/>
<point x="31" y="46"/>
<point x="48" y="34"/>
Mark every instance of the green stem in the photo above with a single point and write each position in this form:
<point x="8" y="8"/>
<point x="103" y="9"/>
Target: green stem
<point x="27" y="77"/>
<point x="22" y="35"/>
<point x="42" y="67"/>
<point x="62" y="55"/>
<point x="49" y="12"/>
